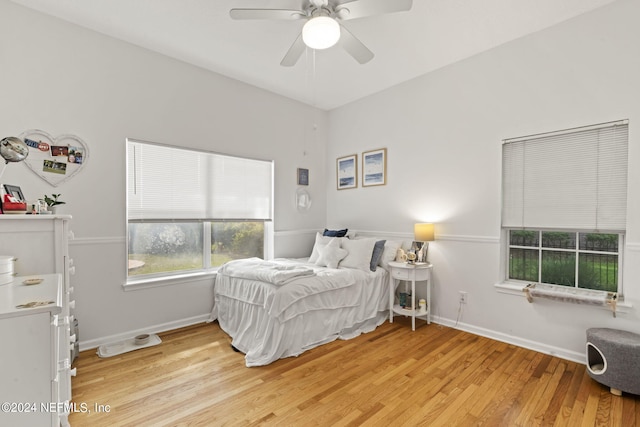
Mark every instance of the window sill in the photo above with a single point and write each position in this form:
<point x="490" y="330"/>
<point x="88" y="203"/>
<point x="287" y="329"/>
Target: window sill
<point x="510" y="288"/>
<point x="514" y="288"/>
<point x="137" y="284"/>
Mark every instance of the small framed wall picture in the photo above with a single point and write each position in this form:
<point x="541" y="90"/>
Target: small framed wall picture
<point x="347" y="172"/>
<point x="303" y="176"/>
<point x="374" y="167"/>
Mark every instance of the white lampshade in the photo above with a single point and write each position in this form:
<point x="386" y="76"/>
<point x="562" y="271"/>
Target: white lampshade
<point x="423" y="232"/>
<point x="321" y="32"/>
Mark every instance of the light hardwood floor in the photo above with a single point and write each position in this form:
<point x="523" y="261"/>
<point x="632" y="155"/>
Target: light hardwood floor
<point x="391" y="376"/>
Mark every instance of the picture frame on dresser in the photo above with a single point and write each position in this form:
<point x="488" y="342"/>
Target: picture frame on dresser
<point x="12" y="200"/>
<point x="14" y="191"/>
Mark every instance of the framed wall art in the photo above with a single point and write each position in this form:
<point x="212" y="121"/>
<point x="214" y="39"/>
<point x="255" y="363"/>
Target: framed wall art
<point x="347" y="172"/>
<point x="374" y="167"/>
<point x="303" y="176"/>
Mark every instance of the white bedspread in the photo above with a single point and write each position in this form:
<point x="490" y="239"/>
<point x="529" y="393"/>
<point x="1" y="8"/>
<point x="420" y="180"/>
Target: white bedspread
<point x="318" y="290"/>
<point x="258" y="269"/>
<point x="268" y="322"/>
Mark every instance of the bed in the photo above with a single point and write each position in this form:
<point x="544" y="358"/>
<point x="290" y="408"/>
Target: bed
<point x="283" y="307"/>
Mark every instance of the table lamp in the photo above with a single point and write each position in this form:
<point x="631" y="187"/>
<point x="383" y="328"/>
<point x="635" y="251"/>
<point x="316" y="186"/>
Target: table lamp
<point x="423" y="234"/>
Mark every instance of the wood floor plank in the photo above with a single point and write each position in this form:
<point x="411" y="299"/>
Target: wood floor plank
<point x="516" y="390"/>
<point x="391" y="376"/>
<point x="544" y="380"/>
<point x="631" y="413"/>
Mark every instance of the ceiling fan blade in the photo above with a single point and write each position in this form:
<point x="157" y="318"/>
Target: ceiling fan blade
<point x="360" y="8"/>
<point x="354" y="47"/>
<point x="294" y="53"/>
<point x="266" y="14"/>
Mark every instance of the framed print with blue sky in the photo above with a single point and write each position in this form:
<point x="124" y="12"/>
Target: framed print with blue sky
<point x="374" y="167"/>
<point x="347" y="172"/>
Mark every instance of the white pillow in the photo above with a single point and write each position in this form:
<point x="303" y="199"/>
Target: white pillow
<point x="321" y="241"/>
<point x="359" y="256"/>
<point x="331" y="254"/>
<point x="389" y="254"/>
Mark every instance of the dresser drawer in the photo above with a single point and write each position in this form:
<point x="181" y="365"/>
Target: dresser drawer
<point x="401" y="274"/>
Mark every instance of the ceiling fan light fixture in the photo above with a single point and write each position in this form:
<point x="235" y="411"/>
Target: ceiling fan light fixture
<point x="321" y="32"/>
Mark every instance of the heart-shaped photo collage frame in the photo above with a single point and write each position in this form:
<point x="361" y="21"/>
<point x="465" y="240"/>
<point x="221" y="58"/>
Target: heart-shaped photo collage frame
<point x="55" y="160"/>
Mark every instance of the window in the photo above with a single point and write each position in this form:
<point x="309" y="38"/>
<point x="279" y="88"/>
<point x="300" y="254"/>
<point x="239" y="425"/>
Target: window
<point x="583" y="260"/>
<point x="189" y="211"/>
<point x="564" y="207"/>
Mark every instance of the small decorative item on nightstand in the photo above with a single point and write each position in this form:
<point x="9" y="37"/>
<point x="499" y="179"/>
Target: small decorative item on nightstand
<point x="423" y="307"/>
<point x="401" y="255"/>
<point x="402" y="299"/>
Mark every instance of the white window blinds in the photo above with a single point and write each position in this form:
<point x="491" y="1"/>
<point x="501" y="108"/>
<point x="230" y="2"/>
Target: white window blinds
<point x="573" y="179"/>
<point x="174" y="183"/>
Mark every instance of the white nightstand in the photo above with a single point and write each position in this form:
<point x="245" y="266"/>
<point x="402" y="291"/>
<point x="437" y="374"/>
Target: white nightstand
<point x="414" y="273"/>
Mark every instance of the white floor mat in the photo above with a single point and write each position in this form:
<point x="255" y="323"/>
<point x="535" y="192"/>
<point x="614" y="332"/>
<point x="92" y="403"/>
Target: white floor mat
<point x="125" y="346"/>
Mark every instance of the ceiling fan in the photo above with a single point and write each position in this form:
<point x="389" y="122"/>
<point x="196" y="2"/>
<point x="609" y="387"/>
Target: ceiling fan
<point x="323" y="28"/>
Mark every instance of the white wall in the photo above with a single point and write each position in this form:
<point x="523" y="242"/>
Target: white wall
<point x="61" y="78"/>
<point x="443" y="133"/>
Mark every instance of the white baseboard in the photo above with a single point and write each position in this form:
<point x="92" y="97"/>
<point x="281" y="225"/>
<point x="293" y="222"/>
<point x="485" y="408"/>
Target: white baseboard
<point x="562" y="353"/>
<point x="95" y="343"/>
<point x="498" y="336"/>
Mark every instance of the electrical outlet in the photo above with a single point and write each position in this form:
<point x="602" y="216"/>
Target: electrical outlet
<point x="463" y="297"/>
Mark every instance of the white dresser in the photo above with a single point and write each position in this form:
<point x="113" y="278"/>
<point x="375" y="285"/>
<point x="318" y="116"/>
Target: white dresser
<point x="40" y="244"/>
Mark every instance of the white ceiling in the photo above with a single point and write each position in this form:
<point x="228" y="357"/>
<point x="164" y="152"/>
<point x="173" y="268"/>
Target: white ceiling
<point x="432" y="34"/>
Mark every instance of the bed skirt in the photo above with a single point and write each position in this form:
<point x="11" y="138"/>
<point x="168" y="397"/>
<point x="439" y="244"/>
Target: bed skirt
<point x="264" y="339"/>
